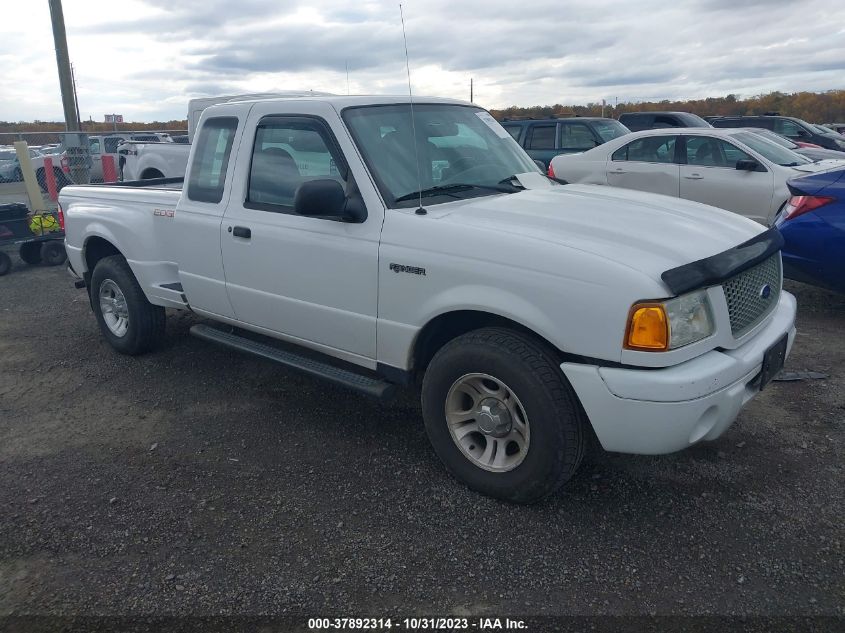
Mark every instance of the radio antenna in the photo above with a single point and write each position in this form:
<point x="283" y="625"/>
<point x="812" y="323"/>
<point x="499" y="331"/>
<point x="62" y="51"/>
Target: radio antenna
<point x="420" y="210"/>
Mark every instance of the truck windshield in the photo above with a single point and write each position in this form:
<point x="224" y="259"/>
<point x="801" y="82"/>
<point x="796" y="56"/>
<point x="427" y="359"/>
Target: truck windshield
<point x="463" y="152"/>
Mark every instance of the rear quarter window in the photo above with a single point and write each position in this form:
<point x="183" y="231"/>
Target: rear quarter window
<point x="211" y="159"/>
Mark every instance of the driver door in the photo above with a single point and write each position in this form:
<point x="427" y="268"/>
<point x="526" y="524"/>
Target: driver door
<point x="311" y="280"/>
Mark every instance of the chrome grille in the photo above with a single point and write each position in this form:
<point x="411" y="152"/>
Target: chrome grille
<point x="745" y="294"/>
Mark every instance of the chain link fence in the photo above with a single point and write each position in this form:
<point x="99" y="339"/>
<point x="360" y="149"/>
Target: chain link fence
<point x="72" y="157"/>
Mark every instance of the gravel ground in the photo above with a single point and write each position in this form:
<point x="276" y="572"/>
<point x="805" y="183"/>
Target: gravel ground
<point x="194" y="481"/>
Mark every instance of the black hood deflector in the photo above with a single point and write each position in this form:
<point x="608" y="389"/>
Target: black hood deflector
<point x="717" y="268"/>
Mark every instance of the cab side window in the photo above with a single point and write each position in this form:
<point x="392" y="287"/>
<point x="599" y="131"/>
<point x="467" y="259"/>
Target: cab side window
<point x="111" y="144"/>
<point x="286" y="154"/>
<point x="649" y="149"/>
<point x="576" y="137"/>
<point x="707" y="151"/>
<point x="788" y="128"/>
<point x="211" y="159"/>
<point x="94" y="146"/>
<point x="542" y="137"/>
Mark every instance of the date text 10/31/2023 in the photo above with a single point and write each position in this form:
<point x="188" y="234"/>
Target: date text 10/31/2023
<point x="418" y="624"/>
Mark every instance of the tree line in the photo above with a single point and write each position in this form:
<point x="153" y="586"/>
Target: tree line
<point x="815" y="107"/>
<point x="90" y="127"/>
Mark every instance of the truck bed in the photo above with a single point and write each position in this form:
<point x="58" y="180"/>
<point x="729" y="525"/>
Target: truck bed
<point x="139" y="216"/>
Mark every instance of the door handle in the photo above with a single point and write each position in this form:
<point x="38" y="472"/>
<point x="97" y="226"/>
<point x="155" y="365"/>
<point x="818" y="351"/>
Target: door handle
<point x="694" y="177"/>
<point x="241" y="231"/>
<point x="617" y="171"/>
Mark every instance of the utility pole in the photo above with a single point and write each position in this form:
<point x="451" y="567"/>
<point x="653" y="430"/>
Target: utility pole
<point x="470" y="90"/>
<point x="75" y="97"/>
<point x="63" y="62"/>
<point x="76" y="153"/>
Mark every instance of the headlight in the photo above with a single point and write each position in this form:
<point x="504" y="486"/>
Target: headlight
<point x="665" y="325"/>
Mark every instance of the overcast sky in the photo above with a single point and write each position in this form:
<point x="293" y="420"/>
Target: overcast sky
<point x="145" y="58"/>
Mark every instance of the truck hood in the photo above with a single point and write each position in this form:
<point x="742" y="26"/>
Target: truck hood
<point x="646" y="232"/>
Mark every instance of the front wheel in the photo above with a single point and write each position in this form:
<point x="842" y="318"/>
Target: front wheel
<point x="501" y="416"/>
<point x="5" y="264"/>
<point x="130" y="323"/>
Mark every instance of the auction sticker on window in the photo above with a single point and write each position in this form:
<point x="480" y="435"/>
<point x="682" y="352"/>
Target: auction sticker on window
<point x="493" y="124"/>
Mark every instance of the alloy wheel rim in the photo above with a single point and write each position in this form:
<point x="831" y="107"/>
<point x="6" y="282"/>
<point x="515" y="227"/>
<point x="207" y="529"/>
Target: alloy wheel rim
<point x="487" y="422"/>
<point x="113" y="307"/>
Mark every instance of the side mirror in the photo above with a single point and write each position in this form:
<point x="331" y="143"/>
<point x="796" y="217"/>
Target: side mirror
<point x="747" y="164"/>
<point x="801" y="133"/>
<point x="540" y="165"/>
<point x="326" y="198"/>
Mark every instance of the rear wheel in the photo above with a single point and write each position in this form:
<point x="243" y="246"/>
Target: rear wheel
<point x="5" y="264"/>
<point x="53" y="253"/>
<point x="130" y="323"/>
<point x="151" y="173"/>
<point x="30" y="253"/>
<point x="501" y="415"/>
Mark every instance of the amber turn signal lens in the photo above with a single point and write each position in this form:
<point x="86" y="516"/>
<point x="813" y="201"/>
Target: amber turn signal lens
<point x="648" y="328"/>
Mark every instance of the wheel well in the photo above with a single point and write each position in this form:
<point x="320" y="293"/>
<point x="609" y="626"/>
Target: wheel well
<point x="95" y="249"/>
<point x="151" y="173"/>
<point x="446" y="327"/>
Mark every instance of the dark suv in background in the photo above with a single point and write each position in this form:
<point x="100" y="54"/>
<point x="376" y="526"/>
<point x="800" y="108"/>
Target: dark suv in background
<point x="797" y="130"/>
<point x="636" y="121"/>
<point x="544" y="139"/>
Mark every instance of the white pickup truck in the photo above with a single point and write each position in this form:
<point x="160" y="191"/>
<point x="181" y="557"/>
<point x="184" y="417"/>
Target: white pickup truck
<point x="416" y="243"/>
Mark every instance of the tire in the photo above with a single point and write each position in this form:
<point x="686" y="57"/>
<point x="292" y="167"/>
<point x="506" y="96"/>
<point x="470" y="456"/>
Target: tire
<point x="53" y="253"/>
<point x="143" y="328"/>
<point x="5" y="264"/>
<point x="150" y="174"/>
<point x="30" y="253"/>
<point x="62" y="179"/>
<point x="556" y="434"/>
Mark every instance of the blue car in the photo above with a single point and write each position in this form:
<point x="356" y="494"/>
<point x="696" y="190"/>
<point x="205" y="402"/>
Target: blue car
<point x="813" y="225"/>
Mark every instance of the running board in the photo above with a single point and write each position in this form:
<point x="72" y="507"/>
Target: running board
<point x="345" y="378"/>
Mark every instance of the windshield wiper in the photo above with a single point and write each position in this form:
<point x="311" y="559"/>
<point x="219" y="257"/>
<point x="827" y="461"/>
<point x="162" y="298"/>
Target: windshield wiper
<point x="508" y="180"/>
<point x="451" y="190"/>
<point x="513" y="181"/>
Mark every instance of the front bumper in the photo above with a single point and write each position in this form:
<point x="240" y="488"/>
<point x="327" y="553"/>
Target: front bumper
<point x="655" y="411"/>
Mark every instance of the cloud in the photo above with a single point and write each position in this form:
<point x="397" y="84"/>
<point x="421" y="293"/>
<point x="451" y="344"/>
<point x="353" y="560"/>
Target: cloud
<point x="147" y="59"/>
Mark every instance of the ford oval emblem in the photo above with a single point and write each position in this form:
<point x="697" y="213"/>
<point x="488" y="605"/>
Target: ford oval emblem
<point x="766" y="291"/>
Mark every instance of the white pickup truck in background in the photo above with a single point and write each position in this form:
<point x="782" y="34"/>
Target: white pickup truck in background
<point x="417" y="244"/>
<point x="165" y="159"/>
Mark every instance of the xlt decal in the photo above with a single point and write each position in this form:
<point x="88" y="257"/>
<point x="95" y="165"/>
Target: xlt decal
<point x="165" y="213"/>
<point x="401" y="268"/>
